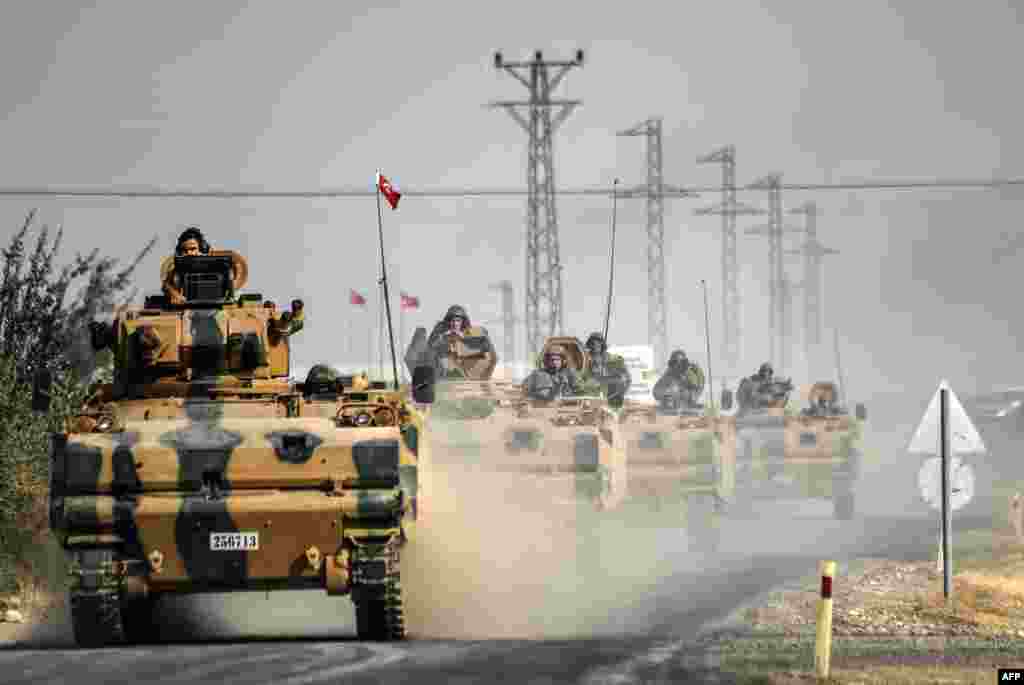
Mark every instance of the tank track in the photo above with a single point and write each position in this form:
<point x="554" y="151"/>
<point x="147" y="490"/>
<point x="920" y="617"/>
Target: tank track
<point x="380" y="616"/>
<point x="100" y="614"/>
<point x="378" y="592"/>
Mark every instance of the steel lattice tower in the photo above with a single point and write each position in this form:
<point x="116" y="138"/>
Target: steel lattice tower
<point x="544" y="313"/>
<point x="779" y="287"/>
<point x="508" y="318"/>
<point x="655" y="191"/>
<point x="729" y="209"/>
<point x="813" y="252"/>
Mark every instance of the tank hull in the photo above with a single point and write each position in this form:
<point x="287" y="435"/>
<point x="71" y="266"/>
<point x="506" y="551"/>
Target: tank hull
<point x="786" y="456"/>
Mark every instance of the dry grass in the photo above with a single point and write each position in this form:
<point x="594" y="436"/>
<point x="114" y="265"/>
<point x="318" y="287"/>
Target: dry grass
<point x="892" y="624"/>
<point x="895" y="675"/>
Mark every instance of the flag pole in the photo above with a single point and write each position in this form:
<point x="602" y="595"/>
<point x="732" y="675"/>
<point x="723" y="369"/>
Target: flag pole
<point x="707" y="340"/>
<point x="401" y="326"/>
<point x="384" y="281"/>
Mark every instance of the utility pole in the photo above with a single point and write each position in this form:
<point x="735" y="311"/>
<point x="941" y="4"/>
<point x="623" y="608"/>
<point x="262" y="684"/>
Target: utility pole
<point x="779" y="288"/>
<point x="655" y="191"/>
<point x="813" y="252"/>
<point x="729" y="209"/>
<point x="544" y="312"/>
<point x="508" y="319"/>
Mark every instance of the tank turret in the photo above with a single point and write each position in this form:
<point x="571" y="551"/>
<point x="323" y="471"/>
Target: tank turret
<point x="202" y="329"/>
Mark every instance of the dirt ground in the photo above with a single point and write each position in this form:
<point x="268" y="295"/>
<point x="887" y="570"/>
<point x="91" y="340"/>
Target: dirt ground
<point x="891" y="622"/>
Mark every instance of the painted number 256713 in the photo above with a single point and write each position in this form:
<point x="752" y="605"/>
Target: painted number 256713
<point x="234" y="542"/>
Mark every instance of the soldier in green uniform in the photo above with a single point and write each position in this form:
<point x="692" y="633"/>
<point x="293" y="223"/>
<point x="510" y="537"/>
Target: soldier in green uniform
<point x="760" y="390"/>
<point x="607" y="372"/>
<point x="553" y="380"/>
<point x="681" y="385"/>
<point x="455" y="323"/>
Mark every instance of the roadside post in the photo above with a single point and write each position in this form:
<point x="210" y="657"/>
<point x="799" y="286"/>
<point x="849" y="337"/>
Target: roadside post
<point x="946" y="482"/>
<point x="823" y="641"/>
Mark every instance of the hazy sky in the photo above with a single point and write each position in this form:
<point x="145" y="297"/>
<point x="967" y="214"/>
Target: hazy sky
<point x="308" y="95"/>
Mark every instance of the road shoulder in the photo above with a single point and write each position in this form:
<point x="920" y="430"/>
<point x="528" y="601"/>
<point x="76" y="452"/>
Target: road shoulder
<point x="891" y="622"/>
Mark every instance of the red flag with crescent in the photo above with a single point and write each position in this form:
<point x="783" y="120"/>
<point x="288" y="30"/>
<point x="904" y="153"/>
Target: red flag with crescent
<point x="388" y="190"/>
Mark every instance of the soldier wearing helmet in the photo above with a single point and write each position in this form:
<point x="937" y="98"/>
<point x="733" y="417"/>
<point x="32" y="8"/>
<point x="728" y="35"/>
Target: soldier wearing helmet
<point x="607" y="372"/>
<point x="553" y="379"/>
<point x="762" y="390"/>
<point x="190" y="243"/>
<point x="321" y="380"/>
<point x="681" y="385"/>
<point x="455" y="336"/>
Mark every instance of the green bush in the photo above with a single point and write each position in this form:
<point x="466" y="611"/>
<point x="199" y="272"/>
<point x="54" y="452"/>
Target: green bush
<point x="44" y="313"/>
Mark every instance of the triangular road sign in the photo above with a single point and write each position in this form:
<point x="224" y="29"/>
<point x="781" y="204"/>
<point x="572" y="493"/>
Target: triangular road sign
<point x="963" y="436"/>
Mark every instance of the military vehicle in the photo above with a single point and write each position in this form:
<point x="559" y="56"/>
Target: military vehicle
<point x="814" y="453"/>
<point x="575" y="444"/>
<point x="202" y="467"/>
<point x="681" y="454"/>
<point x="569" y="449"/>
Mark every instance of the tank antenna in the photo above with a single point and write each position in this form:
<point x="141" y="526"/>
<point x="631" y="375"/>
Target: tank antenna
<point x="611" y="268"/>
<point x="384" y="280"/>
<point x="707" y="340"/>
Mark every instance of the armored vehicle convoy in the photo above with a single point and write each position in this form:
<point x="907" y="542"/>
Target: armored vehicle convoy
<point x="681" y="454"/>
<point x="203" y="468"/>
<point x="814" y="453"/>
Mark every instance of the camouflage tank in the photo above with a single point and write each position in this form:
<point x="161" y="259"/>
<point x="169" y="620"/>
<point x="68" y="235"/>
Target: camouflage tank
<point x="202" y="467"/>
<point x="814" y="453"/>
<point x="681" y="455"/>
<point x="569" y="450"/>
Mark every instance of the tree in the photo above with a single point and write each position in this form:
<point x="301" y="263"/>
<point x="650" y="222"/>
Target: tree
<point x="44" y="314"/>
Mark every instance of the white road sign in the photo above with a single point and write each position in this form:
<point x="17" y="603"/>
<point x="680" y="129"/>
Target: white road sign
<point x="963" y="436"/>
<point x="640" y="362"/>
<point x="961" y="482"/>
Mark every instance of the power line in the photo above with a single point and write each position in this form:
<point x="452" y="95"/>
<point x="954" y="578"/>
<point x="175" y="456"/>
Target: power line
<point x="157" y="192"/>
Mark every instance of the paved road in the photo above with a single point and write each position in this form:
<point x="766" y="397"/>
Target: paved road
<point x="637" y="635"/>
<point x="497" y="596"/>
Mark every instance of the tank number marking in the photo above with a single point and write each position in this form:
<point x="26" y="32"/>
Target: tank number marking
<point x="233" y="542"/>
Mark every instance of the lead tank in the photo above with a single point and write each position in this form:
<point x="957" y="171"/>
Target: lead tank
<point x="202" y="467"/>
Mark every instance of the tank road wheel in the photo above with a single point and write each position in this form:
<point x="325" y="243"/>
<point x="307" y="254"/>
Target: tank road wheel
<point x="379" y="615"/>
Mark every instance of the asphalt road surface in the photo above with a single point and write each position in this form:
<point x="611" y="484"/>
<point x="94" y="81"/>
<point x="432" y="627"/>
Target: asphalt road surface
<point x="497" y="596"/>
<point x="643" y="636"/>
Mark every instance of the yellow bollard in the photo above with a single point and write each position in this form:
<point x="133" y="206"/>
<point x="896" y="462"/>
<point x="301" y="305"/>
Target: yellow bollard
<point x="823" y="642"/>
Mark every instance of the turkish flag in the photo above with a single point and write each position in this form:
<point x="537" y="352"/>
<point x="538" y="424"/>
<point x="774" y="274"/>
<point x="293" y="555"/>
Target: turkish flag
<point x="356" y="299"/>
<point x="410" y="302"/>
<point x="390" y="194"/>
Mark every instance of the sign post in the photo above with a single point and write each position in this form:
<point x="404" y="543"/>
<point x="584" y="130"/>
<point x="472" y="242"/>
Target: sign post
<point x="946" y="482"/>
<point x="946" y="514"/>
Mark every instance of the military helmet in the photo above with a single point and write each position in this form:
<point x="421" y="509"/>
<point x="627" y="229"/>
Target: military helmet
<point x="596" y="337"/>
<point x="457" y="310"/>
<point x="321" y="378"/>
<point x="765" y="369"/>
<point x="678" y="358"/>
